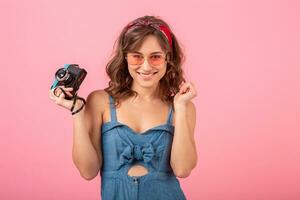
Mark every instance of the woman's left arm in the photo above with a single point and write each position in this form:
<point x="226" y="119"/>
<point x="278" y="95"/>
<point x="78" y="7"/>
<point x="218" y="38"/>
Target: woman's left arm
<point x="183" y="153"/>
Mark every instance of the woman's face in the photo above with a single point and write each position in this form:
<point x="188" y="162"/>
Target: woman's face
<point x="147" y="65"/>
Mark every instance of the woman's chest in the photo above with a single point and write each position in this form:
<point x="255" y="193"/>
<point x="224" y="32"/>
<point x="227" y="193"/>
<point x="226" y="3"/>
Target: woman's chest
<point x="139" y="117"/>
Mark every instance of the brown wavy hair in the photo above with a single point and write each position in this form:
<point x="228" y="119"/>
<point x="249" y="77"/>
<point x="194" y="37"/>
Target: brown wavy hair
<point x="119" y="86"/>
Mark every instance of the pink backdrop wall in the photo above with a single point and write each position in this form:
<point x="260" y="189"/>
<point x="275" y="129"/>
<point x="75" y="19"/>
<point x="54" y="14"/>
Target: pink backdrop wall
<point x="243" y="57"/>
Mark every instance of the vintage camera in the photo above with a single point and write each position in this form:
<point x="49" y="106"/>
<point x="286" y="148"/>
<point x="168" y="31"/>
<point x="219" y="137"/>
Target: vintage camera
<point x="69" y="76"/>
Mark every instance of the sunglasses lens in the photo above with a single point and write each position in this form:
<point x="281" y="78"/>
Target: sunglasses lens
<point x="137" y="59"/>
<point x="156" y="59"/>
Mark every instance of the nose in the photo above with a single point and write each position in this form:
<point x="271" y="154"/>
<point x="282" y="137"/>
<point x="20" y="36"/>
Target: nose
<point x="146" y="66"/>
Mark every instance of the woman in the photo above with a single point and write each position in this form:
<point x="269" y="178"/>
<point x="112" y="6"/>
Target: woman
<point x="139" y="131"/>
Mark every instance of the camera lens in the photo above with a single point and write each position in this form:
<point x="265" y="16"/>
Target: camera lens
<point x="62" y="74"/>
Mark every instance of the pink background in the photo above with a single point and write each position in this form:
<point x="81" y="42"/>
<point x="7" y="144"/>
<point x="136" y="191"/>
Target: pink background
<point x="243" y="57"/>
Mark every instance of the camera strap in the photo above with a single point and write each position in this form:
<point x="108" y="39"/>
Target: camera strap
<point x="74" y="102"/>
<point x="75" y="97"/>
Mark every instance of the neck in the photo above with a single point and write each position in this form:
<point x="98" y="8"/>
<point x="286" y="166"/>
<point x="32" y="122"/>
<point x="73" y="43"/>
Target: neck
<point x="146" y="94"/>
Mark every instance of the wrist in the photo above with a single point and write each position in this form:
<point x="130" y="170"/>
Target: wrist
<point x="179" y="107"/>
<point x="79" y="114"/>
<point x="78" y="105"/>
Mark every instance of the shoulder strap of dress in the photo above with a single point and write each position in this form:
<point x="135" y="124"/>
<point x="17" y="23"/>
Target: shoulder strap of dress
<point x="170" y="115"/>
<point x="113" y="115"/>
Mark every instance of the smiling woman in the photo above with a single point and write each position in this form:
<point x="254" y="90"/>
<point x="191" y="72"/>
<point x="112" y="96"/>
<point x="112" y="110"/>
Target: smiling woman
<point x="139" y="131"/>
<point x="162" y="48"/>
<point x="151" y="70"/>
<point x="154" y="59"/>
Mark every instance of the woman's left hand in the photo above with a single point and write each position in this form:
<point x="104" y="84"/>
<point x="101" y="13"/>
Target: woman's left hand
<point x="186" y="93"/>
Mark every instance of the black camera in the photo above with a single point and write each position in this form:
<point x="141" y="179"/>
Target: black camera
<point x="69" y="76"/>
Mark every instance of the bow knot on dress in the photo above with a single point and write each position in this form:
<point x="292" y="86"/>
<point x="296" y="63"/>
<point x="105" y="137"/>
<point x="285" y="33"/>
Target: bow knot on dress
<point x="142" y="153"/>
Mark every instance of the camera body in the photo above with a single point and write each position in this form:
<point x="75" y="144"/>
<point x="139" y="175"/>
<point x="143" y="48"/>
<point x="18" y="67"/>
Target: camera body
<point x="69" y="76"/>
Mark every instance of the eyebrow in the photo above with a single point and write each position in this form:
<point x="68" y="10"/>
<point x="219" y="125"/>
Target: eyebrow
<point x="156" y="52"/>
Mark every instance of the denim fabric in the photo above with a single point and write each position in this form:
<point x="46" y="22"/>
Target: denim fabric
<point x="122" y="147"/>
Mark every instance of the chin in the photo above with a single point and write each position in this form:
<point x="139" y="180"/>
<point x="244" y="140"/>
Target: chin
<point x="147" y="84"/>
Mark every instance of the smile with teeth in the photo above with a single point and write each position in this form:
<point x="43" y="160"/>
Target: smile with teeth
<point x="146" y="75"/>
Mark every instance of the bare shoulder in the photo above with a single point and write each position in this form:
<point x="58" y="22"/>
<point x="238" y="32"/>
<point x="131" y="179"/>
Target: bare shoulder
<point x="97" y="100"/>
<point x="95" y="107"/>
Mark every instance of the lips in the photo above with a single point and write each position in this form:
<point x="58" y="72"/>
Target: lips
<point x="146" y="75"/>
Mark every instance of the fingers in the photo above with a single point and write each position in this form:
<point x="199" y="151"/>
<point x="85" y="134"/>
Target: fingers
<point x="185" y="88"/>
<point x="188" y="87"/>
<point x="51" y="95"/>
<point x="61" y="97"/>
<point x="192" y="89"/>
<point x="57" y="91"/>
<point x="57" y="94"/>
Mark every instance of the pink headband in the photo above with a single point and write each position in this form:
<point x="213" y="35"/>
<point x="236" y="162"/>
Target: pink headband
<point x="160" y="27"/>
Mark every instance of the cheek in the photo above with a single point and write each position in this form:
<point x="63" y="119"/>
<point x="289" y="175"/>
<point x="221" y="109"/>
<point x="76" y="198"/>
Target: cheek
<point x="132" y="70"/>
<point x="162" y="71"/>
<point x="162" y="74"/>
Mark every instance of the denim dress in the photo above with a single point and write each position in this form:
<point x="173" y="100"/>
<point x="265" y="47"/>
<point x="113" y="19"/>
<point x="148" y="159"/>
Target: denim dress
<point x="122" y="148"/>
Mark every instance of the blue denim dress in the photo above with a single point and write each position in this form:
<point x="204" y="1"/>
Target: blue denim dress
<point x="122" y="148"/>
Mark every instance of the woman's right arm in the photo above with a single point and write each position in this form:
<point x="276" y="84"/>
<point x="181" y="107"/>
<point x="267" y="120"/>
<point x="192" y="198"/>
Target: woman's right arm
<point x="86" y="152"/>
